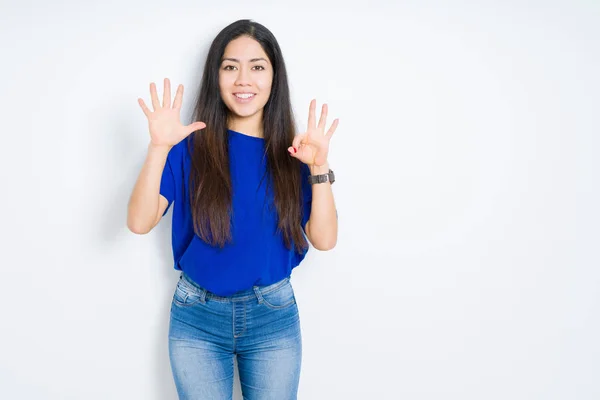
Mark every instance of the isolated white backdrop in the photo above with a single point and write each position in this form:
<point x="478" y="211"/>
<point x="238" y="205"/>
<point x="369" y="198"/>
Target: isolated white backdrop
<point x="467" y="260"/>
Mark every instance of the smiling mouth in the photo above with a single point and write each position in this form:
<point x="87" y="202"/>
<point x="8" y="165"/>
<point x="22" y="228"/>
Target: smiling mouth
<point x="244" y="97"/>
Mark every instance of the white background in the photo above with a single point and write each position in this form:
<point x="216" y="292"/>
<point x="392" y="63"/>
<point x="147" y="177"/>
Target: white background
<point x="468" y="253"/>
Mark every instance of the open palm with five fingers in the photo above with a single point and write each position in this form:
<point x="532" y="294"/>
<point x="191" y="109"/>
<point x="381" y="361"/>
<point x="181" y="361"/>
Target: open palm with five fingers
<point x="164" y="122"/>
<point x="312" y="146"/>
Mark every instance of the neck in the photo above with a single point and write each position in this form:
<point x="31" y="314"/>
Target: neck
<point x="251" y="126"/>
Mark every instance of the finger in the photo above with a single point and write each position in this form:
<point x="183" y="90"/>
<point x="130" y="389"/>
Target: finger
<point x="145" y="109"/>
<point x="154" y="97"/>
<point x="333" y="127"/>
<point x="167" y="94"/>
<point x="178" y="97"/>
<point x="323" y="119"/>
<point x="311" y="114"/>
<point x="297" y="140"/>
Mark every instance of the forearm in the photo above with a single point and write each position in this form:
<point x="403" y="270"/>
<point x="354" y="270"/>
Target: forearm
<point x="143" y="203"/>
<point x="323" y="224"/>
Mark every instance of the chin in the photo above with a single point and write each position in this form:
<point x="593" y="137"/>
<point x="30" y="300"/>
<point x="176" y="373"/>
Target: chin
<point x="240" y="112"/>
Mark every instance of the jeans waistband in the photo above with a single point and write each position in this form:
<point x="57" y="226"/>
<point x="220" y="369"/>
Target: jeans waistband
<point x="244" y="295"/>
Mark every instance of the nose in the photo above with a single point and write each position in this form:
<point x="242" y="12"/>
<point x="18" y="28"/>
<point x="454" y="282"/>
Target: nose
<point x="243" y="78"/>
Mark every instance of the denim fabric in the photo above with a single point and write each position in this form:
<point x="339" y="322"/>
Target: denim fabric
<point x="259" y="326"/>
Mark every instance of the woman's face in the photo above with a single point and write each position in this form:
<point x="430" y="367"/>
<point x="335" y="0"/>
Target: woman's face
<point x="245" y="78"/>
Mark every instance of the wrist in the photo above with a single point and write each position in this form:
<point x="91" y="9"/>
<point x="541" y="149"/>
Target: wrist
<point x="319" y="169"/>
<point x="158" y="148"/>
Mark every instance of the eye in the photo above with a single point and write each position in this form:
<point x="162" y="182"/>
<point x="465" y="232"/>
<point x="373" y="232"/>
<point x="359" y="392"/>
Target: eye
<point x="260" y="66"/>
<point x="227" y="67"/>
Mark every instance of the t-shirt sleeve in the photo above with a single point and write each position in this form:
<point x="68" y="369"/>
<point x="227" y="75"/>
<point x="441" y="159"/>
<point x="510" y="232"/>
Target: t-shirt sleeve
<point x="306" y="195"/>
<point x="167" y="181"/>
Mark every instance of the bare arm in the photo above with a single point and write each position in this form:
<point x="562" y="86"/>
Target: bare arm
<point x="312" y="148"/>
<point x="146" y="205"/>
<point x="322" y="226"/>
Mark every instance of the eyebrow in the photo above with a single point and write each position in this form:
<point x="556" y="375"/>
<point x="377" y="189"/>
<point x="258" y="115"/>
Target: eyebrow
<point x="237" y="61"/>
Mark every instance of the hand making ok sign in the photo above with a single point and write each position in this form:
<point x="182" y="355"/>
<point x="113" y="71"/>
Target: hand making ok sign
<point x="312" y="146"/>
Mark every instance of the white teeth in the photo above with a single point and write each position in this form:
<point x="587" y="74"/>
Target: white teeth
<point x="244" y="95"/>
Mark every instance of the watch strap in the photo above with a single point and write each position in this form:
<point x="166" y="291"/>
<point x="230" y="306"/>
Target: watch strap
<point x="322" y="178"/>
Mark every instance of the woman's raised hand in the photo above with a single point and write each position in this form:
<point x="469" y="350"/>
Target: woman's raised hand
<point x="312" y="146"/>
<point x="164" y="122"/>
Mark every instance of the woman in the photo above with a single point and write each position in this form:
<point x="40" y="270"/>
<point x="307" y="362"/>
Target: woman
<point x="245" y="190"/>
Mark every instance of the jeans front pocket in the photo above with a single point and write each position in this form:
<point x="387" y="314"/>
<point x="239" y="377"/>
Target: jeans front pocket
<point x="281" y="297"/>
<point x="185" y="294"/>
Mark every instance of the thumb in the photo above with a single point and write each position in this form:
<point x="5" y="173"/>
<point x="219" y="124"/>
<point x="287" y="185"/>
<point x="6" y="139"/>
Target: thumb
<point x="196" y="126"/>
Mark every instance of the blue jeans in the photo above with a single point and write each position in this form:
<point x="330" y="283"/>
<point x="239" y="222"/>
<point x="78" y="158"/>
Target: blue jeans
<point x="261" y="326"/>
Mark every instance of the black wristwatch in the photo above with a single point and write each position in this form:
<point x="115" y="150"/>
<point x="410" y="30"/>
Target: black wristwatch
<point x="328" y="177"/>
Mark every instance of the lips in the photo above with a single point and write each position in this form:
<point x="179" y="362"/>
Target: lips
<point x="242" y="97"/>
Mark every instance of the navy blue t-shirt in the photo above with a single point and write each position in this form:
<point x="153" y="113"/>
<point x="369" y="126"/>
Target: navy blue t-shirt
<point x="257" y="254"/>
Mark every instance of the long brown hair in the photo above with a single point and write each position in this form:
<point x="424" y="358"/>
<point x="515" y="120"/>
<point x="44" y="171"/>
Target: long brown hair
<point x="210" y="181"/>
